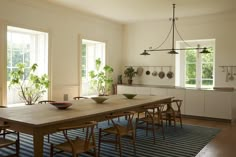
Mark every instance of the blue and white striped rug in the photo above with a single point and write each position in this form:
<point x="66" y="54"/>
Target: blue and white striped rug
<point x="185" y="142"/>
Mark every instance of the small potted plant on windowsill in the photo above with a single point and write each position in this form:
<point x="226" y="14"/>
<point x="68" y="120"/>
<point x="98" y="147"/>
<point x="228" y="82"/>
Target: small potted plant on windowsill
<point x="31" y="86"/>
<point x="101" y="78"/>
<point x="130" y="73"/>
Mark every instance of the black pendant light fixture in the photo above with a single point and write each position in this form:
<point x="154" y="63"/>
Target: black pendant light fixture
<point x="173" y="50"/>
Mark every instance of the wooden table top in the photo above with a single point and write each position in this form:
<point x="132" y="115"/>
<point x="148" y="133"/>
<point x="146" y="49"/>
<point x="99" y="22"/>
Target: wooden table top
<point x="46" y="114"/>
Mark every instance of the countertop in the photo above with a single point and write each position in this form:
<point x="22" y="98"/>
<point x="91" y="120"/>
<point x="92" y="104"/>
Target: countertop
<point x="227" y="89"/>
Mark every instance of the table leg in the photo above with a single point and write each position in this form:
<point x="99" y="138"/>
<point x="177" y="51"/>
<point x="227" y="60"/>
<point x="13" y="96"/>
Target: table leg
<point x="38" y="143"/>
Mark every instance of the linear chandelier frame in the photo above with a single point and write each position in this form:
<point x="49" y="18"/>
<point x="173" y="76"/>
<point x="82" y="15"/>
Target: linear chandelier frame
<point x="173" y="50"/>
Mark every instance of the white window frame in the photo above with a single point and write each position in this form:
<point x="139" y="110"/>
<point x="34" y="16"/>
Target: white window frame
<point x="181" y="62"/>
<point x="40" y="56"/>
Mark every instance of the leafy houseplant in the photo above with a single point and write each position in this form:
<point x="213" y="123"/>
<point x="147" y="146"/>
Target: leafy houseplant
<point x="31" y="86"/>
<point x="101" y="78"/>
<point x="130" y="73"/>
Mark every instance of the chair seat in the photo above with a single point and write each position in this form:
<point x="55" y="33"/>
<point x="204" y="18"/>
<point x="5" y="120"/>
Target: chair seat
<point x="121" y="130"/>
<point x="6" y="142"/>
<point x="171" y="113"/>
<point x="150" y="120"/>
<point x="79" y="145"/>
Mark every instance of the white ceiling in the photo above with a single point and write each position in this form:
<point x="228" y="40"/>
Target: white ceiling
<point x="127" y="11"/>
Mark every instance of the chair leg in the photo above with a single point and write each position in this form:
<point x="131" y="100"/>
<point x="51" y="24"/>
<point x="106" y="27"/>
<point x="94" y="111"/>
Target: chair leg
<point x="119" y="141"/>
<point x="95" y="152"/>
<point x="17" y="148"/>
<point x="163" y="132"/>
<point x="180" y="119"/>
<point x="18" y="145"/>
<point x="48" y="138"/>
<point x="147" y="126"/>
<point x="136" y="125"/>
<point x="175" y="124"/>
<point x="99" y="141"/>
<point x="116" y="142"/>
<point x="51" y="150"/>
<point x="154" y="132"/>
<point x="134" y="142"/>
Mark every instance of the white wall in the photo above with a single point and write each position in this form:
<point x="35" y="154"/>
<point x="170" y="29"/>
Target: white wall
<point x="64" y="27"/>
<point x="142" y="35"/>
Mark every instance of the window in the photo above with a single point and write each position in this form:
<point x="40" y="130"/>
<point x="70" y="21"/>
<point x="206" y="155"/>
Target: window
<point x="28" y="47"/>
<point x="91" y="50"/>
<point x="197" y="70"/>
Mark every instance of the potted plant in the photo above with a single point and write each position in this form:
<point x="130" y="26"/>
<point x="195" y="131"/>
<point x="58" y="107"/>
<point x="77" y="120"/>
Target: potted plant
<point x="31" y="86"/>
<point x="130" y="73"/>
<point x="101" y="78"/>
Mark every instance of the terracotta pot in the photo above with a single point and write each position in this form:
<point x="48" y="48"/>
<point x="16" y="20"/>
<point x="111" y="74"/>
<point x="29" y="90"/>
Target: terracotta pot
<point x="130" y="82"/>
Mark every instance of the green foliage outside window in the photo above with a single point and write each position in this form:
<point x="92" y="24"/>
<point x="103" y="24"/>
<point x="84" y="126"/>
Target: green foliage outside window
<point x="17" y="53"/>
<point x="83" y="74"/>
<point x="206" y="68"/>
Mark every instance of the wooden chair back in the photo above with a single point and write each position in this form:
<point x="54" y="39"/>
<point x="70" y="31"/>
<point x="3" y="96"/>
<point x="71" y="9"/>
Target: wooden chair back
<point x="6" y="143"/>
<point x="129" y="116"/>
<point x="80" y="144"/>
<point x="45" y="101"/>
<point x="79" y="97"/>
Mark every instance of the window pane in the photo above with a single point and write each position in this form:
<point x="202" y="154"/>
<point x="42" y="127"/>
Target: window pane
<point x="84" y="62"/>
<point x="27" y="59"/>
<point x="83" y="49"/>
<point x="84" y="73"/>
<point x="8" y="73"/>
<point x="207" y="82"/>
<point x="17" y="57"/>
<point x="209" y="56"/>
<point x="190" y="71"/>
<point x="207" y="71"/>
<point x="190" y="55"/>
<point x="190" y="82"/>
<point x="9" y="57"/>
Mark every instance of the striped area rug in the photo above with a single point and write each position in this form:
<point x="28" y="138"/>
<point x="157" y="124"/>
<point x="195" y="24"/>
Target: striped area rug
<point x="185" y="142"/>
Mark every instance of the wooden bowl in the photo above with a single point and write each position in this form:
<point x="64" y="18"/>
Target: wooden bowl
<point x="99" y="99"/>
<point x="129" y="96"/>
<point x="61" y="105"/>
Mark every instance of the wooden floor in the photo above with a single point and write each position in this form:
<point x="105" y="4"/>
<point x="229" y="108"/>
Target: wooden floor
<point x="223" y="145"/>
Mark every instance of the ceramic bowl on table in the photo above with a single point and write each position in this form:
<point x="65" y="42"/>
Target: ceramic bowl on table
<point x="99" y="99"/>
<point x="129" y="96"/>
<point x="61" y="105"/>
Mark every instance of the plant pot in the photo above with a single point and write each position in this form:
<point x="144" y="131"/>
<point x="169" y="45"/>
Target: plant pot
<point x="130" y="82"/>
<point x="29" y="103"/>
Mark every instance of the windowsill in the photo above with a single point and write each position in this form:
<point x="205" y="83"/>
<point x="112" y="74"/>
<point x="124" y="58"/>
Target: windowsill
<point x="16" y="105"/>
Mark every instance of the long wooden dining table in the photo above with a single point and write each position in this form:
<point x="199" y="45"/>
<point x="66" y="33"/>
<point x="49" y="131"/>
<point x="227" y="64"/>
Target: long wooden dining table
<point x="42" y="119"/>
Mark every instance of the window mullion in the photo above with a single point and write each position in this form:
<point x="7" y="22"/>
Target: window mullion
<point x="198" y="70"/>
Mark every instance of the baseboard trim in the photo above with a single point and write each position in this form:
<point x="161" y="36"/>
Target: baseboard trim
<point x="208" y="118"/>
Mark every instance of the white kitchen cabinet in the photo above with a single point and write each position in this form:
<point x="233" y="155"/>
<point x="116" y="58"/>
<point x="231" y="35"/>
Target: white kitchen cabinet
<point x="234" y="107"/>
<point x="159" y="91"/>
<point x="126" y="90"/>
<point x="204" y="103"/>
<point x="194" y="102"/>
<point x="218" y="104"/>
<point x="143" y="90"/>
<point x="178" y="94"/>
